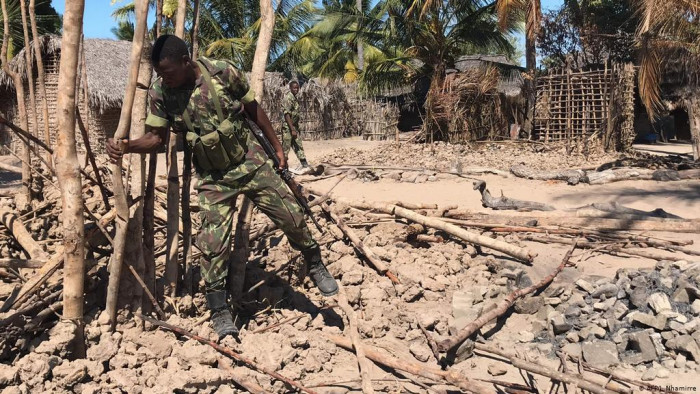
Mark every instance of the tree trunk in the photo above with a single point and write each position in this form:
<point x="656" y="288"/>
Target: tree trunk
<point x="195" y="31"/>
<point x="23" y="197"/>
<point x="68" y="170"/>
<point x="41" y="77"/>
<point x="360" y="48"/>
<point x="180" y="18"/>
<point x="134" y="253"/>
<point x="694" y="119"/>
<point x="119" y="195"/>
<point x="172" y="270"/>
<point x="29" y="69"/>
<point x="262" y="50"/>
<point x="533" y="24"/>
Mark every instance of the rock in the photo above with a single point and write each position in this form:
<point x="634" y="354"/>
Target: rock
<point x="554" y="301"/>
<point x="420" y="351"/>
<point x="659" y="302"/>
<point x="68" y="374"/>
<point x="412" y="294"/>
<point x="572" y="312"/>
<point x="572" y="337"/>
<point x="649" y="375"/>
<point x="497" y="370"/>
<point x="105" y="349"/>
<point x="604" y="305"/>
<point x="608" y="290"/>
<point x="640" y="347"/>
<point x="600" y="353"/>
<point x="646" y="320"/>
<point x="34" y="368"/>
<point x="529" y="305"/>
<point x="572" y="349"/>
<point x="463" y="308"/>
<point x="351" y="278"/>
<point x="680" y="361"/>
<point x="559" y="323"/>
<point x="593" y="329"/>
<point x="695" y="307"/>
<point x="585" y="286"/>
<point x="8" y="375"/>
<point x="662" y="373"/>
<point x="158" y="342"/>
<point x="577" y="299"/>
<point x="685" y="343"/>
<point x="526" y="336"/>
<point x="638" y="297"/>
<point x="193" y="352"/>
<point x="681" y="296"/>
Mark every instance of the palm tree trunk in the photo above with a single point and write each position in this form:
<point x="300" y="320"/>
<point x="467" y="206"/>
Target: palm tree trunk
<point x="30" y="68"/>
<point x="360" y="48"/>
<point x="119" y="195"/>
<point x="694" y="119"/>
<point x="159" y="17"/>
<point x="533" y="18"/>
<point x="41" y="77"/>
<point x="68" y="169"/>
<point x="23" y="197"/>
<point x="195" y="31"/>
<point x="262" y="50"/>
<point x="172" y="269"/>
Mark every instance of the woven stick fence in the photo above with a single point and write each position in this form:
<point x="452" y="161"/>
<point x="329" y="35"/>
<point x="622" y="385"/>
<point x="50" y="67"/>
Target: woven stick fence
<point x="585" y="104"/>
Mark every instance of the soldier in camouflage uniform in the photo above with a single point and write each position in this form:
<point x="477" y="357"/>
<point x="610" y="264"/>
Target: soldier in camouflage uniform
<point x="290" y="124"/>
<point x="208" y="100"/>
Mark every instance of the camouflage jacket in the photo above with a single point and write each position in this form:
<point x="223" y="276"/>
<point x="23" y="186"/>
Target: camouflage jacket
<point x="290" y="105"/>
<point x="167" y="106"/>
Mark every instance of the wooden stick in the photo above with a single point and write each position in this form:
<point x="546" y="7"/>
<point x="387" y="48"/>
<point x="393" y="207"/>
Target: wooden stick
<point x="7" y="167"/>
<point x="360" y="246"/>
<point x="502" y="307"/>
<point x="415" y="368"/>
<point x="10" y="220"/>
<point x="20" y="263"/>
<point x="614" y="249"/>
<point x="511" y="250"/>
<point x="159" y="311"/>
<point x="578" y="381"/>
<point x="52" y="265"/>
<point x="599" y="224"/>
<point x="362" y="361"/>
<point x="226" y="351"/>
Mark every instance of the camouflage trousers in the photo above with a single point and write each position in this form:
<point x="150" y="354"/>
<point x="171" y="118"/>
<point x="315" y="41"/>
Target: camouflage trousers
<point x="217" y="198"/>
<point x="293" y="143"/>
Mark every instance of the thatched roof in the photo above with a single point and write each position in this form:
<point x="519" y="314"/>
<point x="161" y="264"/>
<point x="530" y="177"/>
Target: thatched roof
<point x="511" y="81"/>
<point x="107" y="63"/>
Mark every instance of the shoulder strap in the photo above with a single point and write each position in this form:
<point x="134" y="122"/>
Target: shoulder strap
<point x="212" y="89"/>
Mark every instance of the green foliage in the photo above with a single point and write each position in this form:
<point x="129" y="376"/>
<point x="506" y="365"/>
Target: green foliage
<point x="47" y="20"/>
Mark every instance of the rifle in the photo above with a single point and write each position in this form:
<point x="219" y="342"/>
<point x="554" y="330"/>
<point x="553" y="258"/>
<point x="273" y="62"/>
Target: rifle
<point x="284" y="173"/>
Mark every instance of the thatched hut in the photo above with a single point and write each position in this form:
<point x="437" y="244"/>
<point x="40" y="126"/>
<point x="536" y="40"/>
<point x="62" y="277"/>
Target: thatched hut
<point x="106" y="63"/>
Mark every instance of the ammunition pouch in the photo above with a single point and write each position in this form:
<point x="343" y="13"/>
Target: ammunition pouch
<point x="222" y="148"/>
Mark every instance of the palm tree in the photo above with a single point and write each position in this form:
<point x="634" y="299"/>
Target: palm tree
<point x="508" y="11"/>
<point x="668" y="37"/>
<point x="47" y="21"/>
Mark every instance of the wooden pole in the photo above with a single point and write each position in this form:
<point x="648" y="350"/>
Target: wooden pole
<point x="119" y="193"/>
<point x="10" y="220"/>
<point x="362" y="361"/>
<point x="68" y="172"/>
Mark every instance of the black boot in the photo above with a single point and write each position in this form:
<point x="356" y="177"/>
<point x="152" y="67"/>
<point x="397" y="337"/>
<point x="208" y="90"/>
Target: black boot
<point x="319" y="274"/>
<point x="304" y="163"/>
<point x="220" y="314"/>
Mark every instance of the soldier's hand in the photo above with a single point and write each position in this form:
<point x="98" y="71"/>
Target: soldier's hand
<point x="116" y="149"/>
<point x="282" y="160"/>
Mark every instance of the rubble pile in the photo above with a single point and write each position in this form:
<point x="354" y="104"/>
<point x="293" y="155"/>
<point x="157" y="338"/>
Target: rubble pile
<point x="441" y="156"/>
<point x="646" y="319"/>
